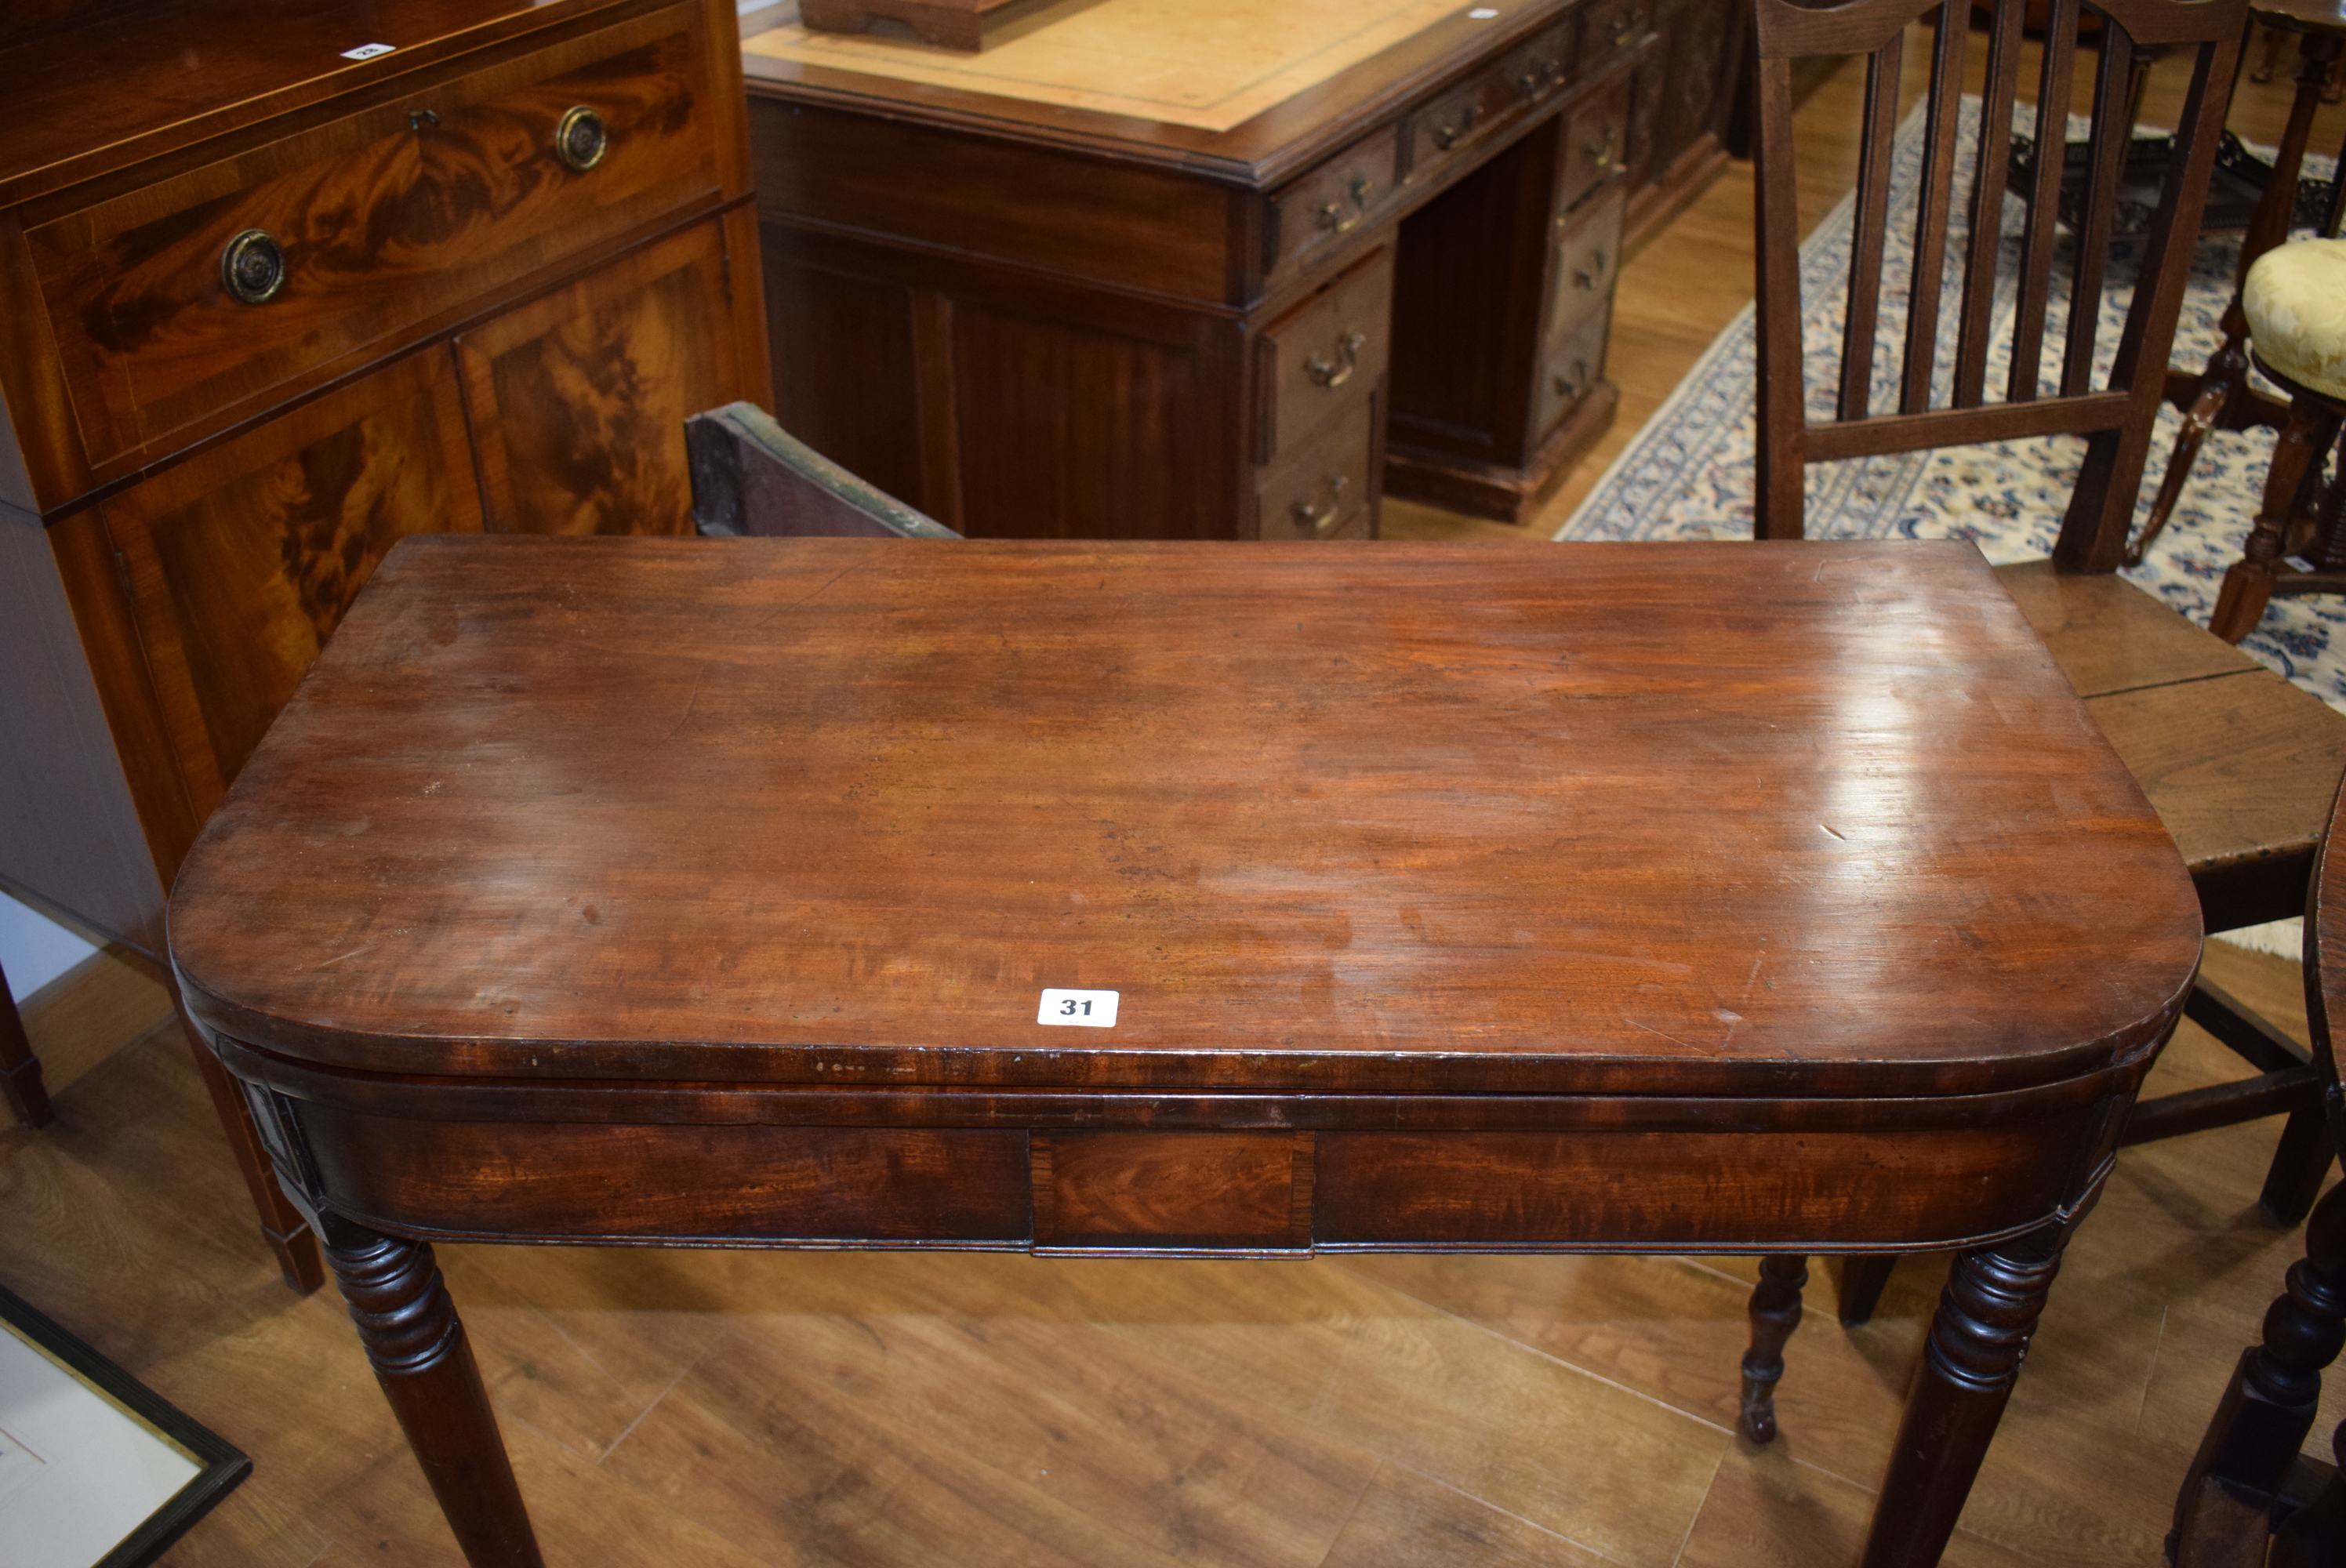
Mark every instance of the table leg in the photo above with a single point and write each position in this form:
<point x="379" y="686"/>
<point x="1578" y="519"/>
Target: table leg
<point x="20" y="1070"/>
<point x="282" y="1225"/>
<point x="1775" y="1313"/>
<point x="425" y="1366"/>
<point x="1978" y="1336"/>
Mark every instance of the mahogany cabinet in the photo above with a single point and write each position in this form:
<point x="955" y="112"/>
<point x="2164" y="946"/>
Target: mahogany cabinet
<point x="273" y="295"/>
<point x="1029" y="307"/>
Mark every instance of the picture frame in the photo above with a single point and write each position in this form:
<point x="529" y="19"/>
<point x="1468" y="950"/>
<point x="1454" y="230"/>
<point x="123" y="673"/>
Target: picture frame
<point x="81" y="1391"/>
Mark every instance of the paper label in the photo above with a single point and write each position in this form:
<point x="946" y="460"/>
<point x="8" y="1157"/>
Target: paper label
<point x="1085" y="1009"/>
<point x="368" y="51"/>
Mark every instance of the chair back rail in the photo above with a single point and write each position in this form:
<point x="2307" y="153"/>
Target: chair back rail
<point x="1932" y="410"/>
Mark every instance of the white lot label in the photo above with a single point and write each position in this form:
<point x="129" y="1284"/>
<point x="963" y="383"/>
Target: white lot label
<point x="368" y="51"/>
<point x="1090" y="1009"/>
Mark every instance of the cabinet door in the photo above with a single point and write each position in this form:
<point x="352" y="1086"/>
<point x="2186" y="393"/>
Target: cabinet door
<point x="577" y="399"/>
<point x="240" y="561"/>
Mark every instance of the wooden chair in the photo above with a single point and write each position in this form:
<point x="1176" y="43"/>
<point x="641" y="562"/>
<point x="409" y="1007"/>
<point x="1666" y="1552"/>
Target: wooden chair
<point x="751" y="477"/>
<point x="2249" y="1481"/>
<point x="2240" y="765"/>
<point x="2115" y="418"/>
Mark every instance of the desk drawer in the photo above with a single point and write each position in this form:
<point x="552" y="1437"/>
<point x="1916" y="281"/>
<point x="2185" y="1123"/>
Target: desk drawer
<point x="1615" y="27"/>
<point x="1323" y="358"/>
<point x="1528" y="74"/>
<point x="1570" y="371"/>
<point x="371" y="226"/>
<point x="1333" y="199"/>
<point x="1324" y="493"/>
<point x="1587" y="253"/>
<point x="1596" y="139"/>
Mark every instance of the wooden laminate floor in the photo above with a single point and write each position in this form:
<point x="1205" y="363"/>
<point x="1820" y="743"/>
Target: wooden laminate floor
<point x="1682" y="289"/>
<point x="821" y="1408"/>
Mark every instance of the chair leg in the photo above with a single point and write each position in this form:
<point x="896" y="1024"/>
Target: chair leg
<point x="2265" y="1413"/>
<point x="2316" y="1536"/>
<point x="20" y="1070"/>
<point x="2301" y="1163"/>
<point x="1861" y="1279"/>
<point x="1775" y="1313"/>
<point x="2247" y="586"/>
<point x="2215" y="386"/>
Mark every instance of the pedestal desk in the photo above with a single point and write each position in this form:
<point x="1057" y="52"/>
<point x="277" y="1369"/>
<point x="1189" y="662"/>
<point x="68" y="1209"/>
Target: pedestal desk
<point x="1215" y="270"/>
<point x="1189" y="900"/>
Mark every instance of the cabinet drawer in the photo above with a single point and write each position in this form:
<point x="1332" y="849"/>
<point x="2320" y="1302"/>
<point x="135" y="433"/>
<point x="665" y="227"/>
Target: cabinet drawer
<point x="378" y="223"/>
<point x="1324" y="493"/>
<point x="1570" y="370"/>
<point x="1333" y="199"/>
<point x="1585" y="256"/>
<point x="1595" y="136"/>
<point x="1325" y="356"/>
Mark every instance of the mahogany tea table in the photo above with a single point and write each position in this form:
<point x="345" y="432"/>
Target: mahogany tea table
<point x="1187" y="899"/>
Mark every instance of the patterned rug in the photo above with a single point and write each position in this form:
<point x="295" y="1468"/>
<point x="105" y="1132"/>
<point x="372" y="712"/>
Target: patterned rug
<point x="1688" y="474"/>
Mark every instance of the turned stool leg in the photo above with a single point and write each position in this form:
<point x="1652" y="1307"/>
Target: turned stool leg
<point x="1775" y="1313"/>
<point x="2269" y="1406"/>
<point x="1978" y="1336"/>
<point x="425" y="1366"/>
<point x="2247" y="586"/>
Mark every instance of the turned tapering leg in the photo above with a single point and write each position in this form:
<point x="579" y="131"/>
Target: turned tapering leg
<point x="2269" y="1406"/>
<point x="425" y="1366"/>
<point x="1978" y="1336"/>
<point x="1775" y="1313"/>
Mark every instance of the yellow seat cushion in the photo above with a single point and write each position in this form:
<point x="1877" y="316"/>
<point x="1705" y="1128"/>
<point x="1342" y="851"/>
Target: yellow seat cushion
<point x="2295" y="300"/>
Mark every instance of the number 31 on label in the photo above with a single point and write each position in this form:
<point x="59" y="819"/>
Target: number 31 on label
<point x="1085" y="1009"/>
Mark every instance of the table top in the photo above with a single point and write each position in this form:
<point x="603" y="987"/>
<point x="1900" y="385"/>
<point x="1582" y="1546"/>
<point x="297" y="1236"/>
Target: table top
<point x="1736" y="818"/>
<point x="1212" y="64"/>
<point x="1212" y="85"/>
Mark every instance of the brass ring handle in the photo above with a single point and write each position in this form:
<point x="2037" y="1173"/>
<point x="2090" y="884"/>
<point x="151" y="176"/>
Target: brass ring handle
<point x="1571" y="386"/>
<point x="1364" y="188"/>
<point x="1319" y="519"/>
<point x="1601" y="152"/>
<point x="580" y="139"/>
<point x="1587" y="276"/>
<point x="252" y="267"/>
<point x="1337" y="373"/>
<point x="1335" y="219"/>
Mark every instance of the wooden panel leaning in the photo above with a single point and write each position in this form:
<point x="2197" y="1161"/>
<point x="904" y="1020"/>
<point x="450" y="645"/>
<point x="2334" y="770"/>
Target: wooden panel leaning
<point x="2248" y="1481"/>
<point x="1926" y="405"/>
<point x="752" y="477"/>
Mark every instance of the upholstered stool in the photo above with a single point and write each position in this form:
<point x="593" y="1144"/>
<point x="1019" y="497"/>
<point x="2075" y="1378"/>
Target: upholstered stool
<point x="2295" y="301"/>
